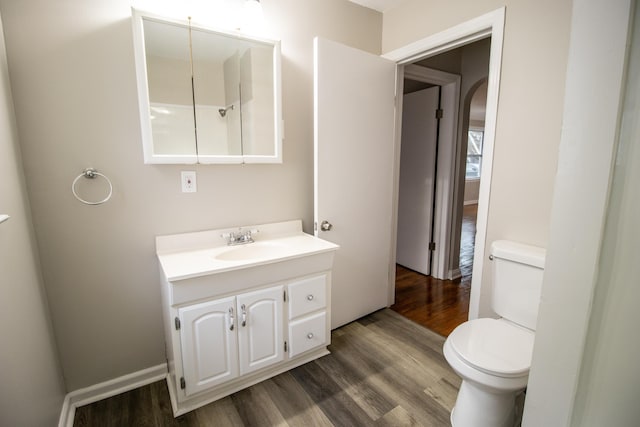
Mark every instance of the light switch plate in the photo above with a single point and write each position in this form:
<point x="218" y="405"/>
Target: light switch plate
<point x="188" y="179"/>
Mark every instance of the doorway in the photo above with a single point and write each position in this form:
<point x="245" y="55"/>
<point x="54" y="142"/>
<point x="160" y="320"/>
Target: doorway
<point x="357" y="159"/>
<point x="439" y="298"/>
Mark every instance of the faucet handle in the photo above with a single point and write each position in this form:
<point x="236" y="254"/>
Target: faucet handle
<point x="229" y="237"/>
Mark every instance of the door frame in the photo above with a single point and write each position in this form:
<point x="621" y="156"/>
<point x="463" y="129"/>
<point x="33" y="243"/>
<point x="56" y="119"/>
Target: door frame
<point x="446" y="161"/>
<point x="488" y="25"/>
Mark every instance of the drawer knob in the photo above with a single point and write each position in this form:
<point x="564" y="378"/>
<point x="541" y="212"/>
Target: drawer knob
<point x="310" y="335"/>
<point x="310" y="297"/>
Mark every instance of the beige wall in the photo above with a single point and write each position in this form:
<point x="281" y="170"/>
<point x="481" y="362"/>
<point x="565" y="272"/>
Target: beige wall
<point x="31" y="386"/>
<point x="533" y="68"/>
<point x="73" y="77"/>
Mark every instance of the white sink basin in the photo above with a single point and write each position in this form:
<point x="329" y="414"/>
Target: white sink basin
<point x="257" y="250"/>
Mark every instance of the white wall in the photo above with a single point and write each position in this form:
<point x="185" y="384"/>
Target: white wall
<point x="536" y="37"/>
<point x="73" y="78"/>
<point x="31" y="386"/>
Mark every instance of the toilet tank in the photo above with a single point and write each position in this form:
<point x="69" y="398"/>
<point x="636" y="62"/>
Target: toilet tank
<point x="517" y="281"/>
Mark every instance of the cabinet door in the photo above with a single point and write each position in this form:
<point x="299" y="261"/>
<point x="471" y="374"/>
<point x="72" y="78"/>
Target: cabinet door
<point x="260" y="328"/>
<point x="209" y="344"/>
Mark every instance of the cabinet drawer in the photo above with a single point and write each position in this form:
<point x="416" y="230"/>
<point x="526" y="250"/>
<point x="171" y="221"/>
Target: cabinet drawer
<point x="307" y="295"/>
<point x="307" y="333"/>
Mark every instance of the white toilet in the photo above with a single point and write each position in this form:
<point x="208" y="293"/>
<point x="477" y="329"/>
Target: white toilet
<point x="493" y="356"/>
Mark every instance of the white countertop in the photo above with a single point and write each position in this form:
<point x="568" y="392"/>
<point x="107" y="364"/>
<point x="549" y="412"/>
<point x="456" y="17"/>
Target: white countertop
<point x="188" y="255"/>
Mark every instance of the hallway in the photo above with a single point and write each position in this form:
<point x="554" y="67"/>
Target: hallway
<point x="439" y="305"/>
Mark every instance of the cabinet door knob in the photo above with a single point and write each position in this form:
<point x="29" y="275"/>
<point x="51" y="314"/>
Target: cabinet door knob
<point x="310" y="335"/>
<point x="310" y="297"/>
<point x="244" y="315"/>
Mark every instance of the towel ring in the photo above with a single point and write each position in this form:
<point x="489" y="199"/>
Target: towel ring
<point x="91" y="173"/>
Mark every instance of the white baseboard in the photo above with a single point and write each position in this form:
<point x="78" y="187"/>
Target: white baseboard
<point x="470" y="202"/>
<point x="454" y="274"/>
<point x="94" y="393"/>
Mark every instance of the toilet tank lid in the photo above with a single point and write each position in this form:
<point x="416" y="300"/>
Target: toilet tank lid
<point x="519" y="252"/>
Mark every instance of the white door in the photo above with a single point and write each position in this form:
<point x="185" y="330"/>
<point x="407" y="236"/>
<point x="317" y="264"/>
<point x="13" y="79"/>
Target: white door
<point x="260" y="328"/>
<point x="354" y="154"/>
<point x="208" y="339"/>
<point x="417" y="176"/>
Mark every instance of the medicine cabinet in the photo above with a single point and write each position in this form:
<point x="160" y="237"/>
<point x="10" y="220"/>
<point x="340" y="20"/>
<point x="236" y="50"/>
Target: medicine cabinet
<point x="205" y="95"/>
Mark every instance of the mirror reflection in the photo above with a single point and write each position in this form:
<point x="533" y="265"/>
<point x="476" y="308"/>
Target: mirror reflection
<point x="170" y="92"/>
<point x="212" y="97"/>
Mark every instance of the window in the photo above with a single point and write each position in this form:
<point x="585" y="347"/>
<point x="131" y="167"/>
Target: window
<point x="474" y="154"/>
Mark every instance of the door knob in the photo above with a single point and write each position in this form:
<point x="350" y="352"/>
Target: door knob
<point x="325" y="226"/>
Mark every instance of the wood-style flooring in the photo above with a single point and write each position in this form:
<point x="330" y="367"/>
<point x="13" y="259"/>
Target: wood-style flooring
<point x="439" y="305"/>
<point x="383" y="370"/>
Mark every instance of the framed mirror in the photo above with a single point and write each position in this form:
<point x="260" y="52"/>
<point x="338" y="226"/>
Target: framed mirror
<point x="206" y="96"/>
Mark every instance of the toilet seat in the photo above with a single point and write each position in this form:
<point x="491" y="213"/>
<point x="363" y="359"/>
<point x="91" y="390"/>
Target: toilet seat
<point x="494" y="346"/>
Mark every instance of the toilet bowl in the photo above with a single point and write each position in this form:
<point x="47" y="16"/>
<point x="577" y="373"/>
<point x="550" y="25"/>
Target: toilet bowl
<point x="493" y="356"/>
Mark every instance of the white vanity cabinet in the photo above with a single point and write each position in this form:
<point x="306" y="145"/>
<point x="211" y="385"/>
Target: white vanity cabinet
<point x="235" y="315"/>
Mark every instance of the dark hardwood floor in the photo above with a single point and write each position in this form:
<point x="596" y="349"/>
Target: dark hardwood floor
<point x="383" y="370"/>
<point x="439" y="305"/>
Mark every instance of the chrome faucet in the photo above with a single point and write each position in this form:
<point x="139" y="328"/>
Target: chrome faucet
<point x="240" y="237"/>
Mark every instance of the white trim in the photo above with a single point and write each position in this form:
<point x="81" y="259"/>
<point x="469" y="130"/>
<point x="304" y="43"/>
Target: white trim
<point x="462" y="34"/>
<point x="470" y="202"/>
<point x="67" y="413"/>
<point x="429" y="75"/>
<point x="490" y="24"/>
<point x="96" y="392"/>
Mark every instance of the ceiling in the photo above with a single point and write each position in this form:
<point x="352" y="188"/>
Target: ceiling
<point x="379" y="5"/>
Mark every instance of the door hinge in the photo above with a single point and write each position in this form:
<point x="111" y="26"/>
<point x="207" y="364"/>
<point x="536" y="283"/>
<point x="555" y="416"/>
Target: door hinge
<point x="432" y="246"/>
<point x="183" y="383"/>
<point x="284" y="295"/>
<point x="285" y="347"/>
<point x="439" y="113"/>
<point x="315" y="226"/>
<point x="177" y="323"/>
